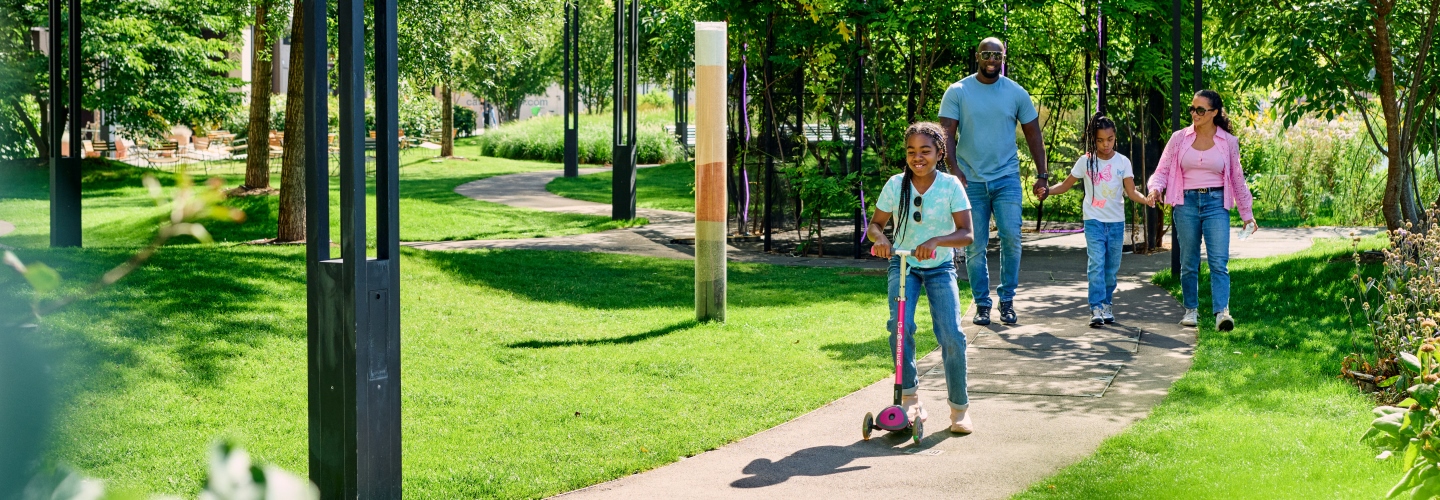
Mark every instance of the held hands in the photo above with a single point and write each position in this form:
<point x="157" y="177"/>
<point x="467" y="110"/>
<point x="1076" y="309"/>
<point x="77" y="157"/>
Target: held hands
<point x="1041" y="189"/>
<point x="1154" y="198"/>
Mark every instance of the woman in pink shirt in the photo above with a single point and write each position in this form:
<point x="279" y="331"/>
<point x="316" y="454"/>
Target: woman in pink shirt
<point x="1200" y="176"/>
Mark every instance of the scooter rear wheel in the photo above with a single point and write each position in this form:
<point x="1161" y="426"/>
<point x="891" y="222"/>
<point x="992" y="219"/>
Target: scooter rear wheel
<point x="869" y="425"/>
<point x="919" y="429"/>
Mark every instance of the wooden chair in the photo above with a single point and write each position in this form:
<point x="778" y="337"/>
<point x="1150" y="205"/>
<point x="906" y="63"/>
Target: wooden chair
<point x="163" y="153"/>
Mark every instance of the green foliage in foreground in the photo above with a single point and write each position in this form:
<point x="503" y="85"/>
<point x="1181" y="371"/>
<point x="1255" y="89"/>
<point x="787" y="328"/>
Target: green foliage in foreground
<point x="543" y="138"/>
<point x="666" y="187"/>
<point x="117" y="212"/>
<point x="526" y="373"/>
<point x="1261" y="413"/>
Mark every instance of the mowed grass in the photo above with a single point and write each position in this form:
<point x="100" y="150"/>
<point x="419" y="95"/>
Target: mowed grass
<point x="666" y="187"/>
<point x="1261" y="413"/>
<point x="117" y="212"/>
<point x="526" y="373"/>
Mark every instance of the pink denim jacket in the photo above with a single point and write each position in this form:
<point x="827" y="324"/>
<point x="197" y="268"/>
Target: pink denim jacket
<point x="1169" y="174"/>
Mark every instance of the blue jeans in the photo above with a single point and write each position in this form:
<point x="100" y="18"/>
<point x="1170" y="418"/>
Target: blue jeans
<point x="1204" y="216"/>
<point x="1104" y="242"/>
<point x="944" y="296"/>
<point x="1001" y="198"/>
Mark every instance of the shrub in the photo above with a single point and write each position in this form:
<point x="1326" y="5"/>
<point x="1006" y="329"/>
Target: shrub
<point x="543" y="139"/>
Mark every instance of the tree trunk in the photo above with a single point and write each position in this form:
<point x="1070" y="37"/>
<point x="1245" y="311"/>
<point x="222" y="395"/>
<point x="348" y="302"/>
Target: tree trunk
<point x="292" y="165"/>
<point x="447" y="122"/>
<point x="1398" y="206"/>
<point x="35" y="137"/>
<point x="45" y="128"/>
<point x="257" y="163"/>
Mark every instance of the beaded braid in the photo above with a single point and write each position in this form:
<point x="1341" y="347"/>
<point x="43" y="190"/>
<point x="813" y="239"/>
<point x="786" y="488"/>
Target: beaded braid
<point x="937" y="135"/>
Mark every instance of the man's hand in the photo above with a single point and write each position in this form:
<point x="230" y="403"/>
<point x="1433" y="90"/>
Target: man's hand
<point x="1041" y="189"/>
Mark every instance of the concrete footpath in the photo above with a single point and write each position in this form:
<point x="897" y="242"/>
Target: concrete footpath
<point x="6" y="228"/>
<point x="1044" y="393"/>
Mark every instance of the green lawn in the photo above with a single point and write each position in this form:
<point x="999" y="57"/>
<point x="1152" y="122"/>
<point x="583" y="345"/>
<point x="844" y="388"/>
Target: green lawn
<point x="1261" y="413"/>
<point x="117" y="212"/>
<point x="666" y="187"/>
<point x="526" y="373"/>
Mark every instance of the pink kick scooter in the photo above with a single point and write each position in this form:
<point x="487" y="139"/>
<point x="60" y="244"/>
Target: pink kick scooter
<point x="893" y="417"/>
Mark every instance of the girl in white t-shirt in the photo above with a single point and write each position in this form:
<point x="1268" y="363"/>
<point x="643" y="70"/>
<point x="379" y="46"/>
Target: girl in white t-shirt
<point x="1107" y="175"/>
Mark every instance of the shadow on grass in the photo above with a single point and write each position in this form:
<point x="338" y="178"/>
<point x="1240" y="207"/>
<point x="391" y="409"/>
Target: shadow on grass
<point x="610" y="281"/>
<point x="182" y="316"/>
<point x="628" y="339"/>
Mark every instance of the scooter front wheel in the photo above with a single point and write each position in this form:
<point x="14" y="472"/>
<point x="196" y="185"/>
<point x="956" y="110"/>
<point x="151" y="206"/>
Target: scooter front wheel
<point x="869" y="425"/>
<point x="919" y="429"/>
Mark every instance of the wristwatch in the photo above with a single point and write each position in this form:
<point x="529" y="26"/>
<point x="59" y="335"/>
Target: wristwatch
<point x="1045" y="176"/>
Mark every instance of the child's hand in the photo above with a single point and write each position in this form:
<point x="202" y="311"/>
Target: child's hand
<point x="1154" y="197"/>
<point x="926" y="250"/>
<point x="881" y="248"/>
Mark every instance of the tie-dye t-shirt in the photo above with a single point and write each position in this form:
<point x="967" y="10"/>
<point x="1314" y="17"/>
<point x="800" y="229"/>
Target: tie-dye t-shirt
<point x="1105" y="189"/>
<point x="945" y="197"/>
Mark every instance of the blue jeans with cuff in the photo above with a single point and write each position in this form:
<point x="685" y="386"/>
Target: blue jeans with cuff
<point x="943" y="293"/>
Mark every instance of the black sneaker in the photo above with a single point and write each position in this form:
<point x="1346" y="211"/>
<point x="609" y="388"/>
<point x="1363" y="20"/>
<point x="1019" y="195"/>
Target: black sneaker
<point x="982" y="315"/>
<point x="1007" y="312"/>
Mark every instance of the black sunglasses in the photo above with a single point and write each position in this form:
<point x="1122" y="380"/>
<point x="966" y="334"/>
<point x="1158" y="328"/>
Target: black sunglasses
<point x="1197" y="110"/>
<point x="916" y="213"/>
<point x="992" y="55"/>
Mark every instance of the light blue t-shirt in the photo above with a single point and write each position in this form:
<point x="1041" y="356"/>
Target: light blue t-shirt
<point x="985" y="138"/>
<point x="946" y="196"/>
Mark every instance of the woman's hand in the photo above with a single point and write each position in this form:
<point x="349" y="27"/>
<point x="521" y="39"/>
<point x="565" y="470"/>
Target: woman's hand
<point x="1251" y="225"/>
<point x="926" y="250"/>
<point x="881" y="248"/>
<point x="1154" y="197"/>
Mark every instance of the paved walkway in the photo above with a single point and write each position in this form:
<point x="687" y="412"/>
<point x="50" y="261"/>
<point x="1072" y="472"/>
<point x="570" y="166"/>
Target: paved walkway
<point x="1044" y="393"/>
<point x="6" y="228"/>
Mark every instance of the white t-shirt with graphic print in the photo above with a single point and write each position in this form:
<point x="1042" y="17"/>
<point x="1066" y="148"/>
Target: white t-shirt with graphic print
<point x="945" y="197"/>
<point x="1105" y="189"/>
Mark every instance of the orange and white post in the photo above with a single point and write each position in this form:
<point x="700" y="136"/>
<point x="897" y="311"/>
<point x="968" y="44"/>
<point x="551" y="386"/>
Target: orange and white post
<point x="710" y="197"/>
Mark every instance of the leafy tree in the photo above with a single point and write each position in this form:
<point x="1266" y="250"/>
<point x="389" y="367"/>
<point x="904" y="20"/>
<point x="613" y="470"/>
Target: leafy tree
<point x="597" y="53"/>
<point x="519" y="56"/>
<point x="147" y="64"/>
<point x="1327" y="57"/>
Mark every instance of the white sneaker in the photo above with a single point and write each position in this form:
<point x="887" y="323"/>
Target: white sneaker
<point x="1097" y="316"/>
<point x="1223" y="321"/>
<point x="912" y="407"/>
<point x="1109" y="313"/>
<point x="1192" y="317"/>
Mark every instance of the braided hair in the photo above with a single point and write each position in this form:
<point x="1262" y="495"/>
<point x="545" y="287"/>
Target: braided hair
<point x="937" y="136"/>
<point x="1097" y="123"/>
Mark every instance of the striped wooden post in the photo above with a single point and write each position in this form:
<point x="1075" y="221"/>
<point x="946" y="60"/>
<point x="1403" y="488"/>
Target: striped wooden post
<point x="710" y="202"/>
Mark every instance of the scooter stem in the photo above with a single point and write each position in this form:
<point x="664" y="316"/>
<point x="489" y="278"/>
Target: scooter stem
<point x="900" y="326"/>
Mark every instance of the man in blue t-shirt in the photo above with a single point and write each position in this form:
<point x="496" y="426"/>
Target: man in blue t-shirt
<point x="979" y="115"/>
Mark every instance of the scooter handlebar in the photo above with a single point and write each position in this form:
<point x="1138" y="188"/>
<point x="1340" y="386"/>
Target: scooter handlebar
<point x="902" y="253"/>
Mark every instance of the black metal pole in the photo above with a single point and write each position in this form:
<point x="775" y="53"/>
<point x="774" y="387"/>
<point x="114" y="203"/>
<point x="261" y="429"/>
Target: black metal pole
<point x="768" y="142"/>
<point x="1198" y="31"/>
<point x="859" y="138"/>
<point x="65" y="171"/>
<point x="326" y="466"/>
<point x="572" y="76"/>
<point x="354" y="300"/>
<point x="1102" y="87"/>
<point x="622" y="187"/>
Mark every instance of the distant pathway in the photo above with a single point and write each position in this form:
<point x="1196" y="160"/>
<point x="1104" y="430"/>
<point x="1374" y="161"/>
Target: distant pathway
<point x="6" y="228"/>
